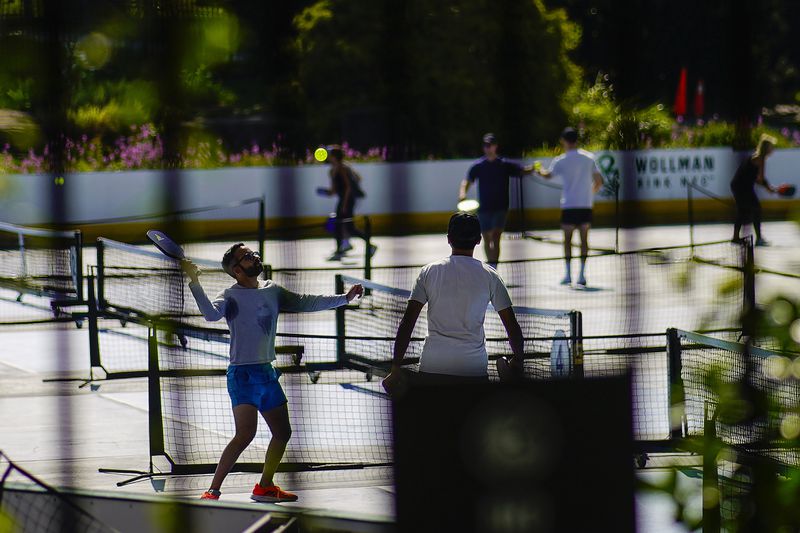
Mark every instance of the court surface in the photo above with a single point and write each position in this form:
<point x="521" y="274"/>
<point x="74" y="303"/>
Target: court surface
<point x="64" y="433"/>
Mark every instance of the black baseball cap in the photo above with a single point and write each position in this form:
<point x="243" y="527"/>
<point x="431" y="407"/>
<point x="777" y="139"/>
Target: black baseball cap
<point x="464" y="228"/>
<point x="489" y="138"/>
<point x="569" y="135"/>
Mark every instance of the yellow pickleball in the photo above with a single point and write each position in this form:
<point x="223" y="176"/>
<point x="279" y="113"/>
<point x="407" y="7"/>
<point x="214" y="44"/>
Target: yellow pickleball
<point x="320" y="154"/>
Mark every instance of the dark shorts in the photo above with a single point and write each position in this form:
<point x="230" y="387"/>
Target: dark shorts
<point x="748" y="206"/>
<point x="413" y="379"/>
<point x="429" y="378"/>
<point x="576" y="217"/>
<point x="492" y="220"/>
<point x="255" y="385"/>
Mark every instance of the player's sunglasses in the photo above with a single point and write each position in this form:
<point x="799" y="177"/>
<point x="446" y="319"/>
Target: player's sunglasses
<point x="248" y="255"/>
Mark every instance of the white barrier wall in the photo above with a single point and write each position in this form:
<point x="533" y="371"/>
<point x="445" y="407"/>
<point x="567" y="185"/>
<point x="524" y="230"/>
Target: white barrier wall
<point x="418" y="187"/>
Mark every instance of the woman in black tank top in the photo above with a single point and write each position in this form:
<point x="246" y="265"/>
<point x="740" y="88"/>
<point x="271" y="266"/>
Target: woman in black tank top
<point x="750" y="173"/>
<point x="345" y="184"/>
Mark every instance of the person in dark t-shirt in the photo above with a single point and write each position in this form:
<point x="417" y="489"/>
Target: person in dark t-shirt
<point x="492" y="173"/>
<point x="750" y="173"/>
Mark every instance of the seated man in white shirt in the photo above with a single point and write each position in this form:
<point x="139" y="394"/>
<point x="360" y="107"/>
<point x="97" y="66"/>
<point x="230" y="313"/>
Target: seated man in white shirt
<point x="581" y="180"/>
<point x="458" y="290"/>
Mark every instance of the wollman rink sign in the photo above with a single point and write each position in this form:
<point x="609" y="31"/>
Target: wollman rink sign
<point x="664" y="174"/>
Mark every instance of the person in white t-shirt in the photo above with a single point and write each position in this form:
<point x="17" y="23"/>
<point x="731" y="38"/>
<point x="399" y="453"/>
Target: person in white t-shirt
<point x="458" y="290"/>
<point x="581" y="179"/>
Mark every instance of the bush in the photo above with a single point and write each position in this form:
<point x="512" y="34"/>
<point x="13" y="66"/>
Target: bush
<point x="605" y="124"/>
<point x="143" y="149"/>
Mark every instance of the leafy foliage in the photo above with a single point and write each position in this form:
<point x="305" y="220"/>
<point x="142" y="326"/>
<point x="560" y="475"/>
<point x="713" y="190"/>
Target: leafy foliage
<point x="407" y="80"/>
<point x="606" y="124"/>
<point x="435" y="76"/>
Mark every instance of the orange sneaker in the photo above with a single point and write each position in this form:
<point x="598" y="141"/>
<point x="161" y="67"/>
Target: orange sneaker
<point x="272" y="494"/>
<point x="211" y="494"/>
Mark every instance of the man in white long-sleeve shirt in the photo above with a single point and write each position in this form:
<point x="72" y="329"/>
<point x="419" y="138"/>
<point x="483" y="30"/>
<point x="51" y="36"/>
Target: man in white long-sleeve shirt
<point x="251" y="307"/>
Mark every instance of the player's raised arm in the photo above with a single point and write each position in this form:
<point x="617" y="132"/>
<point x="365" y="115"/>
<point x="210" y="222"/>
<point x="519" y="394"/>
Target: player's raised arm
<point x="192" y="270"/>
<point x="212" y="311"/>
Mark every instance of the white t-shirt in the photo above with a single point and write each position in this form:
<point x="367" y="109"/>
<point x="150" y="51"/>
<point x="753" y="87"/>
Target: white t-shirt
<point x="575" y="168"/>
<point x="458" y="290"/>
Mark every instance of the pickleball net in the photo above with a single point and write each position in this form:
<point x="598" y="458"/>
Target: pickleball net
<point x="40" y="272"/>
<point x="344" y="350"/>
<point x="143" y="282"/>
<point x="765" y="383"/>
<point x="137" y="284"/>
<point x="340" y="415"/>
<point x="700" y="287"/>
<point x="29" y="504"/>
<point x="371" y="325"/>
<point x="555" y="347"/>
<point x="199" y="229"/>
<point x="741" y="400"/>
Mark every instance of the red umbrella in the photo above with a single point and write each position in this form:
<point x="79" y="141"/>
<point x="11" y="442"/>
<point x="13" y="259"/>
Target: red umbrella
<point x="680" y="95"/>
<point x="699" y="100"/>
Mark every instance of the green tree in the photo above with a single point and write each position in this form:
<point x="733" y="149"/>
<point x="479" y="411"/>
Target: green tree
<point x="744" y="51"/>
<point x="433" y="76"/>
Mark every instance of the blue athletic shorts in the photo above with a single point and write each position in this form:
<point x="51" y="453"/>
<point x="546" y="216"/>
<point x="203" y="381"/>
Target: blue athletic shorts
<point x="255" y="385"/>
<point x="492" y="220"/>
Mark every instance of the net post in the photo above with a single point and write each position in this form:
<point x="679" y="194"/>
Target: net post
<point x="748" y="322"/>
<point x="262" y="225"/>
<point x="100" y="274"/>
<point x="79" y="265"/>
<point x="711" y="447"/>
<point x="690" y="207"/>
<point x="616" y="217"/>
<point x="576" y="334"/>
<point x="676" y="389"/>
<point x="521" y="202"/>
<point x="94" y="338"/>
<point x="368" y="242"/>
<point x="340" y="329"/>
<point x="23" y="262"/>
<point x="155" y="422"/>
